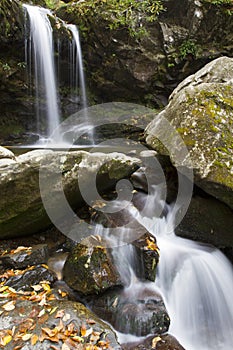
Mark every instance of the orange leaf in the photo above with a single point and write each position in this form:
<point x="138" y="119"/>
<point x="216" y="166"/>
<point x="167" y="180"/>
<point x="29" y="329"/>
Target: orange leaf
<point x="83" y="330"/>
<point x="34" y="339"/>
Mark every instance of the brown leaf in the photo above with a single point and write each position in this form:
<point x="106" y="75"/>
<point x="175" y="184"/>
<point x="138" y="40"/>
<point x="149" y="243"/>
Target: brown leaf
<point x="43" y="319"/>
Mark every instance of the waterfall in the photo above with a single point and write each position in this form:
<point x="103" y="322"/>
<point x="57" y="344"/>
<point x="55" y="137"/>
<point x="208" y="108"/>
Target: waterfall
<point x="44" y="68"/>
<point x="39" y="53"/>
<point x="196" y="282"/>
<point x="78" y="71"/>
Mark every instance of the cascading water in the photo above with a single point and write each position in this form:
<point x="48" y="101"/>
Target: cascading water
<point x="76" y="57"/>
<point x="194" y="279"/>
<point x="44" y="68"/>
<point x="196" y="282"/>
<point x="39" y="52"/>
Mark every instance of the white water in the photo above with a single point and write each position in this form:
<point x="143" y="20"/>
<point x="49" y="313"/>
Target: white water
<point x="43" y="58"/>
<point x="79" y="72"/>
<point x="196" y="282"/>
<point x="39" y="53"/>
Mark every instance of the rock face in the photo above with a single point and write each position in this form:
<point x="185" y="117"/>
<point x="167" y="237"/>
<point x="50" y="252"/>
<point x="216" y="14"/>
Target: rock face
<point x="201" y="110"/>
<point x="147" y="68"/>
<point x="187" y="34"/>
<point x="21" y="208"/>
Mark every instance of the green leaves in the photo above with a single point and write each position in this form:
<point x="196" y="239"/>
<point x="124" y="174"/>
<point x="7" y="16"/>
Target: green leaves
<point x="128" y="14"/>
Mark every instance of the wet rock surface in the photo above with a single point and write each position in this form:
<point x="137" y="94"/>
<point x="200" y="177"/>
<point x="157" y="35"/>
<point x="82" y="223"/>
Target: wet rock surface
<point x="90" y="268"/>
<point x="162" y="342"/>
<point x="25" y="256"/>
<point x="138" y="312"/>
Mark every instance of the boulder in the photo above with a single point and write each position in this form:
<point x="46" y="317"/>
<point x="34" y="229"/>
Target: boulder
<point x="162" y="342"/>
<point x="138" y="311"/>
<point x="23" y="280"/>
<point x="6" y="153"/>
<point x="90" y="267"/>
<point x="57" y="324"/>
<point x="23" y="257"/>
<point x="45" y="174"/>
<point x="201" y="109"/>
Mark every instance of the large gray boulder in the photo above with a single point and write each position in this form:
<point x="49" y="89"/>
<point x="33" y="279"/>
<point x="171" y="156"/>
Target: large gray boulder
<point x="201" y="110"/>
<point x="55" y="176"/>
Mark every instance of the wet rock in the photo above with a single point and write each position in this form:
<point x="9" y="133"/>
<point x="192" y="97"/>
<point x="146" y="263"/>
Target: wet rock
<point x="26" y="279"/>
<point x="69" y="323"/>
<point x="90" y="268"/>
<point x="23" y="257"/>
<point x="21" y="209"/>
<point x="148" y="253"/>
<point x="162" y="342"/>
<point x="208" y="220"/>
<point x="139" y="312"/>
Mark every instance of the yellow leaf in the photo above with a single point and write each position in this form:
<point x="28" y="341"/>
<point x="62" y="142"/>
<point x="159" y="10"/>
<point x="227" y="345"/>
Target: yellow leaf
<point x="46" y="287"/>
<point x="2" y="289"/>
<point x="27" y="336"/>
<point x="6" y="339"/>
<point x="83" y="330"/>
<point x="9" y="306"/>
<point x="53" y="310"/>
<point x="155" y="341"/>
<point x="34" y="339"/>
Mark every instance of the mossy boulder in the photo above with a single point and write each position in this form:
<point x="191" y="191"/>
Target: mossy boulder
<point x="45" y="173"/>
<point x="201" y="110"/>
<point x="90" y="269"/>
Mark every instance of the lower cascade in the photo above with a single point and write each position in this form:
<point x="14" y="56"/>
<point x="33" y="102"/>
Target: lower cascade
<point x="194" y="279"/>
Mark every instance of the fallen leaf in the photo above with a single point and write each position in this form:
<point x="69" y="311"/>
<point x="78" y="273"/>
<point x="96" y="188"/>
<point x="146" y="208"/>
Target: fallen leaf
<point x="155" y="341"/>
<point x="41" y="313"/>
<point x="53" y="310"/>
<point x="2" y="289"/>
<point x="34" y="339"/>
<point x="27" y="336"/>
<point x="46" y="287"/>
<point x="37" y="287"/>
<point x="43" y="319"/>
<point x="9" y="306"/>
<point x="66" y="317"/>
<point x="83" y="330"/>
<point x="5" y="340"/>
<point x="65" y="347"/>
